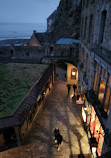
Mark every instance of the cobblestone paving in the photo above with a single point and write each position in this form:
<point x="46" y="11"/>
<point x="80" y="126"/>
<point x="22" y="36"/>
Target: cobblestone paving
<point x="58" y="111"/>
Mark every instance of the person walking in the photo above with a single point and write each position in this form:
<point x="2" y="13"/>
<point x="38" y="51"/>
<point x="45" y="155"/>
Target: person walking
<point x="56" y="133"/>
<point x="69" y="87"/>
<point x="74" y="87"/>
<point x="59" y="141"/>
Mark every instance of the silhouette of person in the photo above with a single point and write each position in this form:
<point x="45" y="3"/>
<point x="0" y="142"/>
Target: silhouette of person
<point x="59" y="141"/>
<point x="69" y="87"/>
<point x="56" y="132"/>
<point x="74" y="87"/>
<point x="74" y="99"/>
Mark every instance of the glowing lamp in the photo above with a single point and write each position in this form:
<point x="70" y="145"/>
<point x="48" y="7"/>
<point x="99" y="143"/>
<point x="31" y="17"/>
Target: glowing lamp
<point x="73" y="73"/>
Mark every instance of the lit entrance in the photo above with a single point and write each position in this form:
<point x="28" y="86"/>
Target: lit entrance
<point x="67" y="72"/>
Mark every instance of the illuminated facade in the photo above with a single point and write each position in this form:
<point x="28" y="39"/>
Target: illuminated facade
<point x="94" y="68"/>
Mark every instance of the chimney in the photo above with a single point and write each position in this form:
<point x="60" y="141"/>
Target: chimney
<point x="34" y="31"/>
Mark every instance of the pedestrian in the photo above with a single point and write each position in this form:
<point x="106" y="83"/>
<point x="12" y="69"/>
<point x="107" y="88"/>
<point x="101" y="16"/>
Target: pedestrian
<point x="56" y="132"/>
<point x="69" y="87"/>
<point x="59" y="141"/>
<point x="74" y="99"/>
<point x="74" y="87"/>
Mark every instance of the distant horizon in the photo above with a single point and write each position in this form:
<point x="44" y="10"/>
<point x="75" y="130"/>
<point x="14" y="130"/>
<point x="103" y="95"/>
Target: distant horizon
<point x="23" y="23"/>
<point x="20" y="30"/>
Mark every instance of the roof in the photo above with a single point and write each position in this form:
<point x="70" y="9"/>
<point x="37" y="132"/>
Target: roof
<point x="28" y="103"/>
<point x="53" y="15"/>
<point x="43" y="37"/>
<point x="67" y="41"/>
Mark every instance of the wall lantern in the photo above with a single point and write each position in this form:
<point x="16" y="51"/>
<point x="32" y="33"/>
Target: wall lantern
<point x="73" y="73"/>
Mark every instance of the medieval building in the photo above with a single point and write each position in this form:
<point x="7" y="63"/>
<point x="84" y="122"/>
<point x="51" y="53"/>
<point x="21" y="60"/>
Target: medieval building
<point x="95" y="69"/>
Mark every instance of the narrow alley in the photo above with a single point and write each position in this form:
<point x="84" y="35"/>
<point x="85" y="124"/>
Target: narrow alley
<point x="58" y="111"/>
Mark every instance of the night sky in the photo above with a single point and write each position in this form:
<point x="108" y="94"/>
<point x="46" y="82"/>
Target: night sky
<point x="31" y="11"/>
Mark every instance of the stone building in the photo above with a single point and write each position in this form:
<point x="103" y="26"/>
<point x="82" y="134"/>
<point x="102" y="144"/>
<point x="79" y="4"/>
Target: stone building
<point x="50" y="21"/>
<point x="95" y="69"/>
<point x="31" y="50"/>
<point x="67" y="47"/>
<point x="39" y="39"/>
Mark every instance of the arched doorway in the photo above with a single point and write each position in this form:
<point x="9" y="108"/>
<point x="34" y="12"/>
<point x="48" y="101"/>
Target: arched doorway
<point x="61" y="71"/>
<point x="67" y="72"/>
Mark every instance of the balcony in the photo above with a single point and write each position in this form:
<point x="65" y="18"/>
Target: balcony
<point x="104" y="53"/>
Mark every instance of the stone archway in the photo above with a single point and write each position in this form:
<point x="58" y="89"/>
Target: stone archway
<point x="66" y="72"/>
<point x="72" y="73"/>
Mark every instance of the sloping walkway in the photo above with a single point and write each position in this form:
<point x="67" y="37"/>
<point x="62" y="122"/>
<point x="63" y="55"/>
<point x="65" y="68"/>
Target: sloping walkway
<point x="58" y="111"/>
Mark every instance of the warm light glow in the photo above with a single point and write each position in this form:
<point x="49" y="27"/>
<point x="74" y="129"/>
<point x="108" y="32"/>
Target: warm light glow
<point x="83" y="115"/>
<point x="73" y="73"/>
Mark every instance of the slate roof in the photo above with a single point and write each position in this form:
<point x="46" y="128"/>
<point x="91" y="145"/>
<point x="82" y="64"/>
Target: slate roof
<point x="53" y="15"/>
<point x="67" y="41"/>
<point x="30" y="100"/>
<point x="43" y="37"/>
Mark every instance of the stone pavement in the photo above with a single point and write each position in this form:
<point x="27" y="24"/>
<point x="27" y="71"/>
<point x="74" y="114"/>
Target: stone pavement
<point x="58" y="111"/>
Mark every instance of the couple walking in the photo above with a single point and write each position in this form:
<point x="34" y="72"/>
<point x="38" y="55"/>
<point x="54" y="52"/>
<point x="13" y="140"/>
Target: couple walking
<point x="69" y="87"/>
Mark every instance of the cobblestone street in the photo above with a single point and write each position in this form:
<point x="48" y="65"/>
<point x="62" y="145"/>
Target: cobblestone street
<point x="58" y="111"/>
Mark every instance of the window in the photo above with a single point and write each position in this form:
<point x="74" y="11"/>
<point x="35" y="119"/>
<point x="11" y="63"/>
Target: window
<point x="72" y="50"/>
<point x="27" y="54"/>
<point x="82" y="55"/>
<point x="87" y="3"/>
<point x="106" y="106"/>
<point x="109" y="81"/>
<point x="85" y="27"/>
<point x="86" y="63"/>
<point x="81" y="27"/>
<point x="104" y="73"/>
<point x="83" y="4"/>
<point x="11" y="52"/>
<point x="90" y="34"/>
<point x="102" y="26"/>
<point x="98" y="67"/>
<point x="1" y="52"/>
<point x="96" y="81"/>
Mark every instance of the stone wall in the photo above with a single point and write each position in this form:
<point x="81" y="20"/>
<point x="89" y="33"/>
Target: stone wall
<point x="96" y="10"/>
<point x="21" y="54"/>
